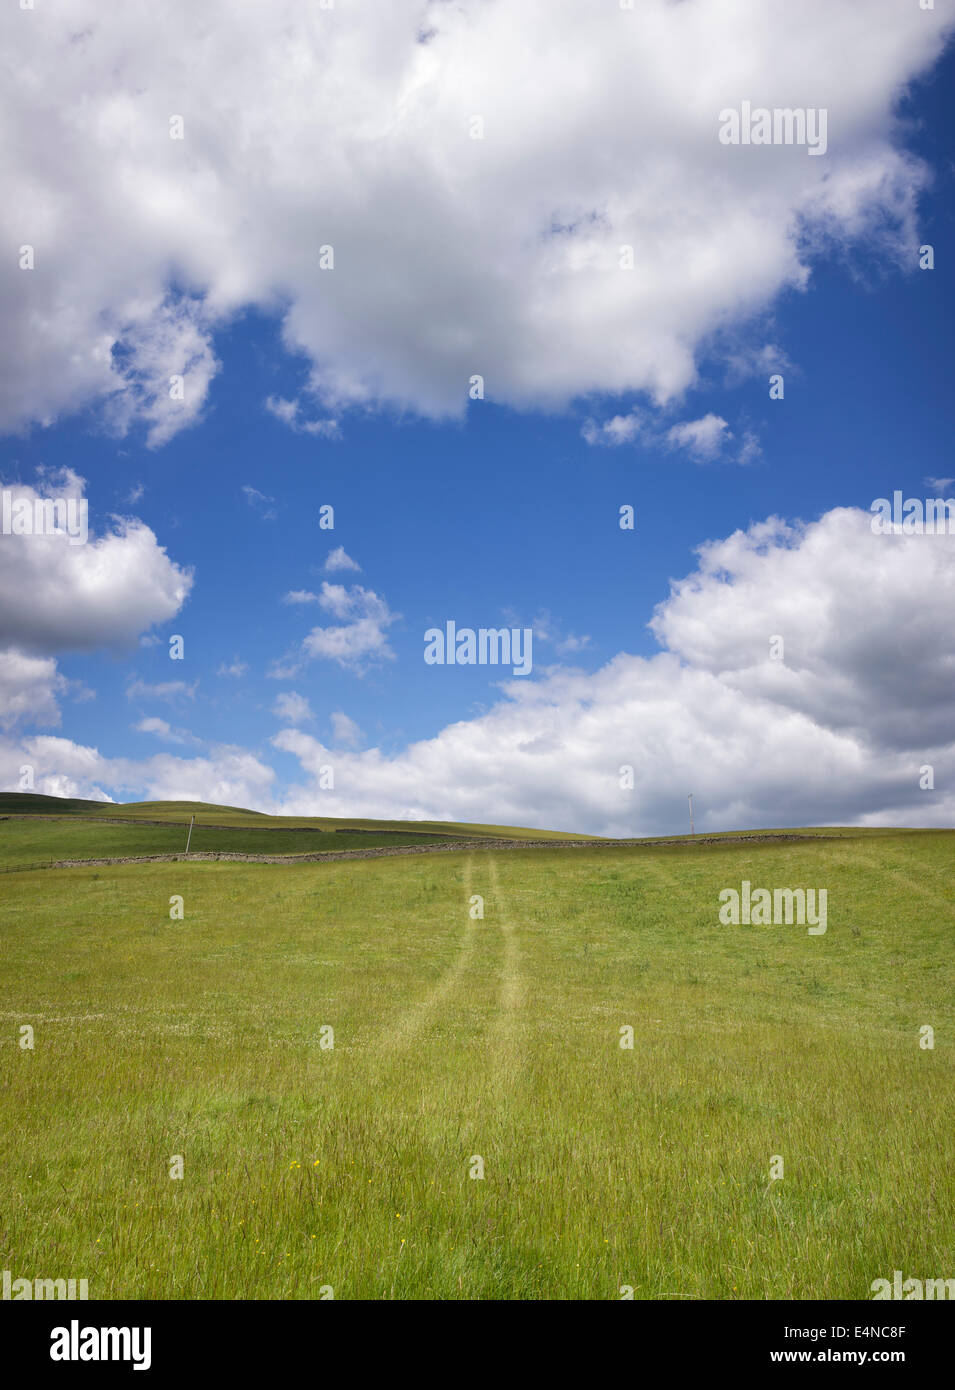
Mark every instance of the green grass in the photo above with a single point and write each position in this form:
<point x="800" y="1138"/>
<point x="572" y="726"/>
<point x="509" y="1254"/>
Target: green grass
<point x="604" y="1167"/>
<point x="179" y="812"/>
<point x="32" y="842"/>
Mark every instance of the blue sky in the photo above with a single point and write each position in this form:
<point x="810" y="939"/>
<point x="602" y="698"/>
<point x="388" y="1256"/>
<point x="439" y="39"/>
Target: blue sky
<point x="508" y="515"/>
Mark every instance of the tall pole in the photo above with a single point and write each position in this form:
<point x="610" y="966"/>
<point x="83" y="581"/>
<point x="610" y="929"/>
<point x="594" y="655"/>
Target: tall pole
<point x="690" y="799"/>
<point x="189" y="836"/>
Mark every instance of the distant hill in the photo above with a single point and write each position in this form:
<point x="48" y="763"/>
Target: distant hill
<point x="180" y="812"/>
<point x="32" y="803"/>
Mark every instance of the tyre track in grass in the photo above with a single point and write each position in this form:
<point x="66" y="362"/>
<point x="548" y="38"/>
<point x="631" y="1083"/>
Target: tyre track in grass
<point x="404" y="1060"/>
<point x="505" y="1032"/>
<point x="416" y="1018"/>
<point x="512" y="985"/>
<point x="903" y="870"/>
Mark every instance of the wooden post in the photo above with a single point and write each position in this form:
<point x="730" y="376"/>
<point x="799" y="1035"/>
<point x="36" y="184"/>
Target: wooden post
<point x="189" y="836"/>
<point x="690" y="799"/>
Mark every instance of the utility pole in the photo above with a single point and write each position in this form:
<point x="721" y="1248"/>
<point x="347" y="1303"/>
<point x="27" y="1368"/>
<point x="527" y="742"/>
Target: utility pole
<point x="690" y="799"/>
<point x="189" y="836"/>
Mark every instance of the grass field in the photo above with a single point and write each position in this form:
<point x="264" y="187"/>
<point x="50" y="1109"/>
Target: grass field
<point x="32" y="842"/>
<point x="307" y="1167"/>
<point x="179" y="812"/>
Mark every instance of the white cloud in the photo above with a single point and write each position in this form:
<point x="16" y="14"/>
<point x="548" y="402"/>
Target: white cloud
<point x="343" y="602"/>
<point x="228" y="776"/>
<point x="571" y="643"/>
<point x="172" y="691"/>
<point x="345" y="730"/>
<point x="339" y="560"/>
<point x="360" y="640"/>
<point x="860" y="615"/>
<point x="161" y="729"/>
<point x="745" y="360"/>
<point x="350" y="128"/>
<point x="162" y="365"/>
<point x="292" y="708"/>
<point x="550" y="631"/>
<point x="29" y="686"/>
<point x="702" y="439"/>
<point x="55" y="596"/>
<point x="938" y="485"/>
<point x="234" y="669"/>
<point x="59" y="597"/>
<point x="259" y="502"/>
<point x="751" y="448"/>
<point x="290" y="413"/>
<point x="154" y="726"/>
<point x="619" y="429"/>
<point x="835" y="733"/>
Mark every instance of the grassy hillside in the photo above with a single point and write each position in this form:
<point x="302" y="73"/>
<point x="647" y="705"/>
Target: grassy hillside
<point x="498" y="1037"/>
<point x="180" y="812"/>
<point x="34" y="841"/>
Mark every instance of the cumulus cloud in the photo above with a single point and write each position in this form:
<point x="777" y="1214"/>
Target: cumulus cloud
<point x="551" y="632"/>
<point x="55" y="596"/>
<point x="162" y="363"/>
<point x="233" y="669"/>
<point x="360" y="640"/>
<point x="619" y="429"/>
<point x="345" y="730"/>
<point x="864" y="648"/>
<point x="835" y="731"/>
<point x="702" y="439"/>
<point x="290" y="413"/>
<point x="751" y="449"/>
<point x="305" y="128"/>
<point x="163" y="730"/>
<point x="292" y="708"/>
<point x="226" y="776"/>
<point x="172" y="691"/>
<point x="29" y="686"/>
<point x="340" y="560"/>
